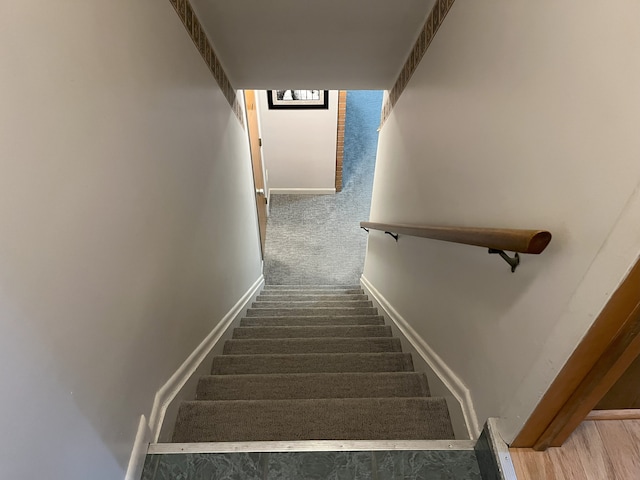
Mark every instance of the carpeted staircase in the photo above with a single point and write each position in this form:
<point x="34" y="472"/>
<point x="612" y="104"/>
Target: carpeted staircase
<point x="312" y="363"/>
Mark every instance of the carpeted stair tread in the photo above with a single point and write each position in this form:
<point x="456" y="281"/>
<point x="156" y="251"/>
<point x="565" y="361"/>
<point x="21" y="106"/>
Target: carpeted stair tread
<point x="313" y="419"/>
<point x="311" y="363"/>
<point x="312" y="287"/>
<point x="310" y="298"/>
<point x="354" y="291"/>
<point x="343" y="331"/>
<point x="312" y="321"/>
<point x="312" y="311"/>
<point x="311" y="345"/>
<point x="314" y="304"/>
<point x="312" y="385"/>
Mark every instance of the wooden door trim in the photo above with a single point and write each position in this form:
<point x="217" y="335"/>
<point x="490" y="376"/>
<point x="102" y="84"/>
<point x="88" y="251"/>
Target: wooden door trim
<point x="626" y="414"/>
<point x="342" y="118"/>
<point x="257" y="167"/>
<point x="608" y="348"/>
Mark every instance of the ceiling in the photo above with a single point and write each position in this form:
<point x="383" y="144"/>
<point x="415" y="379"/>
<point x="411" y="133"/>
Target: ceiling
<point x="329" y="44"/>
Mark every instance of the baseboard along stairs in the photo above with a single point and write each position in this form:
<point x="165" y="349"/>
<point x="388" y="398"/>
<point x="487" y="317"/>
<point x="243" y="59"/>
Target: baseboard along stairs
<point x="312" y="363"/>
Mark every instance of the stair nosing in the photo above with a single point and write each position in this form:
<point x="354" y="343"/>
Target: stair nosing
<point x="412" y="373"/>
<point x="310" y="446"/>
<point x="337" y="315"/>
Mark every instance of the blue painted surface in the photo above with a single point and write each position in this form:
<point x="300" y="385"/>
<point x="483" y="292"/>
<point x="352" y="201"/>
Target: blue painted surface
<point x="361" y="138"/>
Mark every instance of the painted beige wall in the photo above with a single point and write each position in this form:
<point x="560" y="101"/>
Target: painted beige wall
<point x="299" y="145"/>
<point x="521" y="115"/>
<point x="127" y="225"/>
<point x="358" y="44"/>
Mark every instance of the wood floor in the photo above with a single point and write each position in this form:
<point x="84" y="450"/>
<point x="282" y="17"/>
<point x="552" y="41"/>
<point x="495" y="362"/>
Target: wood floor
<point x="597" y="450"/>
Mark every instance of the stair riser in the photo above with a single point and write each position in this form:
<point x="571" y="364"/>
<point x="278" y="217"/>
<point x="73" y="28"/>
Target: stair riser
<point x="311" y="321"/>
<point x="309" y="312"/>
<point x="311" y="345"/>
<point x="314" y="304"/>
<point x="312" y="363"/>
<point x="311" y="298"/>
<point x="312" y="287"/>
<point x="316" y="419"/>
<point x="320" y="385"/>
<point x="312" y="332"/>
<point x="356" y="291"/>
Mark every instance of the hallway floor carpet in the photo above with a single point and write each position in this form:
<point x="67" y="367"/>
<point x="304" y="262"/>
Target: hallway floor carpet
<point x="316" y="239"/>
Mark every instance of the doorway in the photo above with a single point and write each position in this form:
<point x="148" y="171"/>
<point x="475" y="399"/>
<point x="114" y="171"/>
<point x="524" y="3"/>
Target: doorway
<point x="608" y="351"/>
<point x="314" y="237"/>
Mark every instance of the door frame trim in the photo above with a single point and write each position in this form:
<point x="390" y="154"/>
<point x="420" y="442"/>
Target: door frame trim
<point x="342" y="118"/>
<point x="262" y="174"/>
<point x="606" y="351"/>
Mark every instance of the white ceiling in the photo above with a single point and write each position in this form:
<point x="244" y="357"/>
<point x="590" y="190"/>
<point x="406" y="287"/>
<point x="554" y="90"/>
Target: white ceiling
<point x="329" y="44"/>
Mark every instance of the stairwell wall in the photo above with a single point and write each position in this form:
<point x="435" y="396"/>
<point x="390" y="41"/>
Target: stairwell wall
<point x="300" y="147"/>
<point x="127" y="225"/>
<point x="520" y="115"/>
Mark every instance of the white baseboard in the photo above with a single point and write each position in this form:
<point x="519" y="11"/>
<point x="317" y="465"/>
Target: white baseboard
<point x="302" y="191"/>
<point x="139" y="452"/>
<point x="169" y="390"/>
<point x="451" y="381"/>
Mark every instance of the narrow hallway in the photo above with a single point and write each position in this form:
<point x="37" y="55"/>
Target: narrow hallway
<point x="316" y="239"/>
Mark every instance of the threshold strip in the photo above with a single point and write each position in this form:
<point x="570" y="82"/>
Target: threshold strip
<point x="309" y="446"/>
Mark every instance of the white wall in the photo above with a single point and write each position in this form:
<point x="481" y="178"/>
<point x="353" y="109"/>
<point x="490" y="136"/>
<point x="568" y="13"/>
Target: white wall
<point x="521" y="115"/>
<point x="299" y="145"/>
<point x="359" y="44"/>
<point x="127" y="225"/>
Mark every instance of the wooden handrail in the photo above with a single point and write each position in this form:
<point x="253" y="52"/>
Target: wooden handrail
<point x="513" y="240"/>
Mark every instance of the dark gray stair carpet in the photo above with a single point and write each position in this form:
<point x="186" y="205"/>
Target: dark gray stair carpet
<point x="312" y="385"/>
<point x="313" y="419"/>
<point x="312" y="363"/>
<point x="311" y="345"/>
<point x="312" y="287"/>
<point x="312" y="320"/>
<point x="313" y="304"/>
<point x="311" y="311"/>
<point x="290" y="297"/>
<point x="343" y="331"/>
<point x="355" y="291"/>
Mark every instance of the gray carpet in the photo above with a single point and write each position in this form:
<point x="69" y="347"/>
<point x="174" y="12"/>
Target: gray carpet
<point x="316" y="239"/>
<point x="266" y="346"/>
<point x="312" y="363"/>
<point x="312" y="321"/>
<point x="312" y="385"/>
<point x="341" y="331"/>
<point x="405" y="418"/>
<point x="336" y="376"/>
